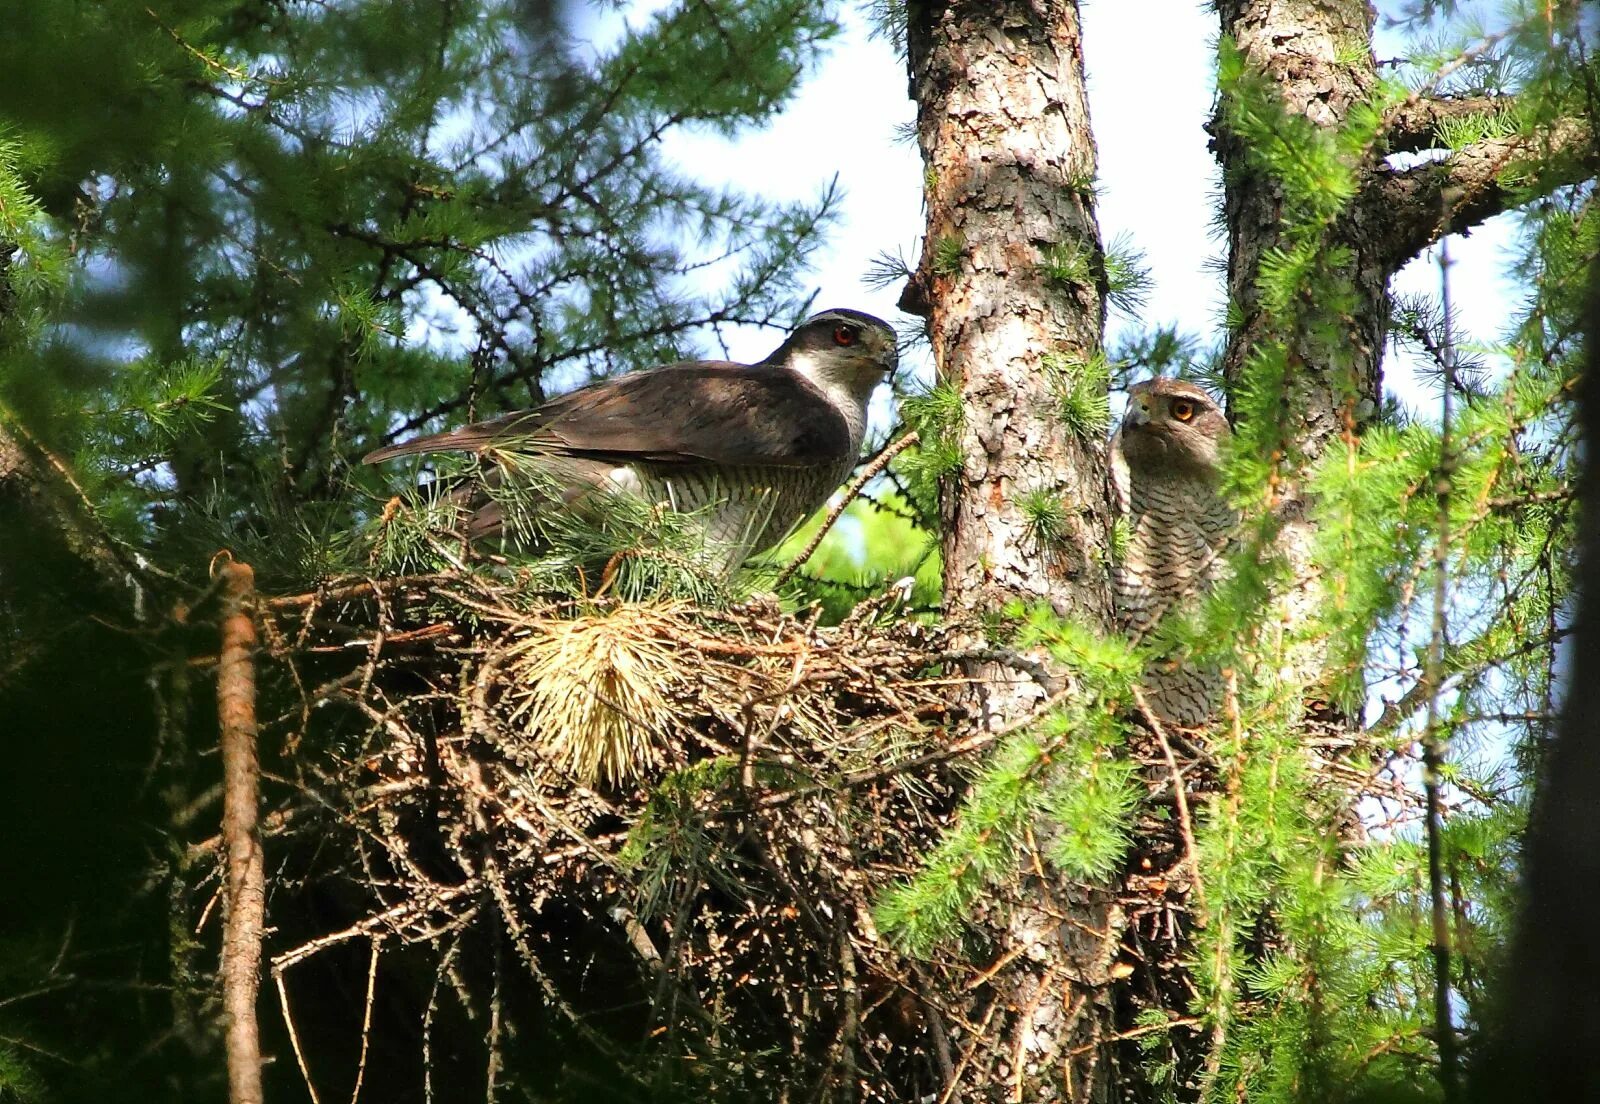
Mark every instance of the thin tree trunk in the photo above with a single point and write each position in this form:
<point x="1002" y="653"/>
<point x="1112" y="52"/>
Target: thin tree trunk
<point x="1306" y="50"/>
<point x="1003" y="124"/>
<point x="245" y="922"/>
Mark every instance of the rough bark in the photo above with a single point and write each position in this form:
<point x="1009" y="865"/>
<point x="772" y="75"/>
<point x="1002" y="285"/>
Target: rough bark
<point x="1003" y="124"/>
<point x="1302" y="47"/>
<point x="1417" y="206"/>
<point x="1004" y="127"/>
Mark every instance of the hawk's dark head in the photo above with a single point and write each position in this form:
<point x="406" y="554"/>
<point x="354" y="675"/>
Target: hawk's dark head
<point x="846" y="353"/>
<point x="1172" y="426"/>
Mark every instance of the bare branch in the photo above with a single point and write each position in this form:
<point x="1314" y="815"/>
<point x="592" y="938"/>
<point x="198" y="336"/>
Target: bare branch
<point x="878" y="463"/>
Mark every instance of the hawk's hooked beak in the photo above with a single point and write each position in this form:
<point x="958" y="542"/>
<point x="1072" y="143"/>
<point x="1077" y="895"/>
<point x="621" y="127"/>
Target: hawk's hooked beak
<point x="889" y="352"/>
<point x="1138" y="415"/>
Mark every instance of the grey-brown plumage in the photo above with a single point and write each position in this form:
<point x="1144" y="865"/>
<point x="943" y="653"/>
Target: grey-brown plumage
<point x="751" y="449"/>
<point x="1166" y="474"/>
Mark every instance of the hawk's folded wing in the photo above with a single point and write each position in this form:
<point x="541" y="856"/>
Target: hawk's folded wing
<point x="695" y="412"/>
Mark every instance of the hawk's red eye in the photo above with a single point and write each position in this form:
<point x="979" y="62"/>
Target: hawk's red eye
<point x="1182" y="409"/>
<point x="844" y="335"/>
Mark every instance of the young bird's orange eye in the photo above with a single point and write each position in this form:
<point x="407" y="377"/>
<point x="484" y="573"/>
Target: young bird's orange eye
<point x="844" y="335"/>
<point x="1182" y="409"/>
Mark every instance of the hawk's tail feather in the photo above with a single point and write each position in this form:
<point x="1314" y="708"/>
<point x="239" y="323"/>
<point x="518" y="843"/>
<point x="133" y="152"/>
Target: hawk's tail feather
<point x="378" y="456"/>
<point x="511" y="432"/>
<point x="454" y="441"/>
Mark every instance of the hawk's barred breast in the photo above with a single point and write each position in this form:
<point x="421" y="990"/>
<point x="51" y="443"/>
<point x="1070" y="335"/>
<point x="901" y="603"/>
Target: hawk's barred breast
<point x="1166" y="475"/>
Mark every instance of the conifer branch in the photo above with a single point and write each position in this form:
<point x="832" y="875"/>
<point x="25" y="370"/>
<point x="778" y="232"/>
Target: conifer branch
<point x="1460" y="658"/>
<point x="1180" y="788"/>
<point x="1414" y="125"/>
<point x="1416" y="207"/>
<point x="853" y="488"/>
<point x="1434" y="736"/>
<point x="44" y="486"/>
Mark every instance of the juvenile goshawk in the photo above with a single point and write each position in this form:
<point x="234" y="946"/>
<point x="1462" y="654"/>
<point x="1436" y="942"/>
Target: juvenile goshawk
<point x="1165" y="473"/>
<point x="749" y="449"/>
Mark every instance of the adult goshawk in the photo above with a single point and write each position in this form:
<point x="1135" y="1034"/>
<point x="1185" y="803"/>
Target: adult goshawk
<point x="749" y="449"/>
<point x="1166" y="474"/>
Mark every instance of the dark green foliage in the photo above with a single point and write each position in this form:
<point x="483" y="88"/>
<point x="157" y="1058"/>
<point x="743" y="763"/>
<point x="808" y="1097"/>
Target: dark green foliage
<point x="241" y="244"/>
<point x="291" y="227"/>
<point x="671" y="841"/>
<point x="33" y="267"/>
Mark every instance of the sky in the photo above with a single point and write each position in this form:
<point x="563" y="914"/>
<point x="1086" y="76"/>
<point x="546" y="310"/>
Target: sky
<point x="1149" y="72"/>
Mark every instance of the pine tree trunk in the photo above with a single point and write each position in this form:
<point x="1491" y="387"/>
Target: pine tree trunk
<point x="1307" y="48"/>
<point x="1004" y="128"/>
<point x="1003" y="124"/>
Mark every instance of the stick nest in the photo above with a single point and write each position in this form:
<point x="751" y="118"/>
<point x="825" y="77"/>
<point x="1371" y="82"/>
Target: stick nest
<point x="649" y="835"/>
